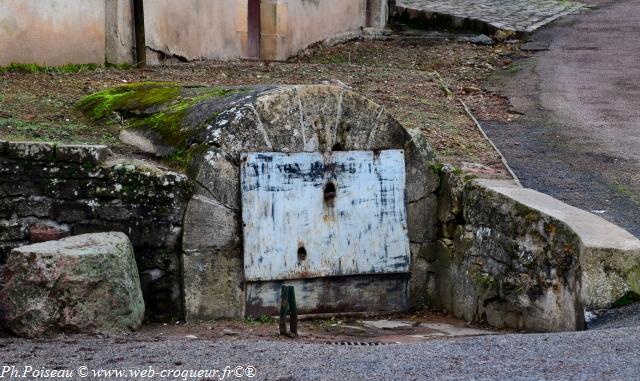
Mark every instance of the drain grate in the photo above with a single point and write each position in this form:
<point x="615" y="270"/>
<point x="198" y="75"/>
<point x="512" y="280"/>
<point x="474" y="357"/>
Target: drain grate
<point x="359" y="343"/>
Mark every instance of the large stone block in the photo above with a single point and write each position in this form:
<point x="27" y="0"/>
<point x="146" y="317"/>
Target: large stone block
<point x="217" y="177"/>
<point x="30" y="150"/>
<point x="87" y="283"/>
<point x="422" y="220"/>
<point x="519" y="264"/>
<point x="213" y="285"/>
<point x="209" y="224"/>
<point x="82" y="153"/>
<point x="422" y="178"/>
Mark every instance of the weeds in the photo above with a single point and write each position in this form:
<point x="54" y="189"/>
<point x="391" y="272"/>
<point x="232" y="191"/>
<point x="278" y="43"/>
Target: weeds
<point x="263" y="319"/>
<point x="64" y="69"/>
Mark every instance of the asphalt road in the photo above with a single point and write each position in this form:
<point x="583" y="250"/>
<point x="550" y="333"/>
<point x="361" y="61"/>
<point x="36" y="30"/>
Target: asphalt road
<point x="579" y="138"/>
<point x="609" y="354"/>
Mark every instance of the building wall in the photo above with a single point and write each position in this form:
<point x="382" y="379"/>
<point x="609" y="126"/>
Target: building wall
<point x="196" y="29"/>
<point x="289" y="26"/>
<point x="52" y="32"/>
<point x="58" y="32"/>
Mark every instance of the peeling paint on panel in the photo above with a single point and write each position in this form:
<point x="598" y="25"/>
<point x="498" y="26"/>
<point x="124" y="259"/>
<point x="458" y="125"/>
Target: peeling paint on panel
<point x="309" y="215"/>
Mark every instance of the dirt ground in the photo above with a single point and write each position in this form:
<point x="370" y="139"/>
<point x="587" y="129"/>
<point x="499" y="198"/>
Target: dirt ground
<point x="338" y="330"/>
<point x="418" y="79"/>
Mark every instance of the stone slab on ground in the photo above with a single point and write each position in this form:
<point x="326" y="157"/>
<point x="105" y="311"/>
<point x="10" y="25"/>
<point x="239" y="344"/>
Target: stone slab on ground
<point x="456" y="331"/>
<point x="87" y="284"/>
<point x="386" y="324"/>
<point x="516" y="15"/>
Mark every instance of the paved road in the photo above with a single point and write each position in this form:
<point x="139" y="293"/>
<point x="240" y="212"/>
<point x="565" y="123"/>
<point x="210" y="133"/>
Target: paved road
<point x="612" y="354"/>
<point x="516" y="15"/>
<point x="580" y="137"/>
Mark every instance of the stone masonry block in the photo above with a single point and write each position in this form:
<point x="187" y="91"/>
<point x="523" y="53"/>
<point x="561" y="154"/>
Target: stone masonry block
<point x="82" y="153"/>
<point x="31" y="150"/>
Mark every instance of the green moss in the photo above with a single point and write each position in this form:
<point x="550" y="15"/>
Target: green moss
<point x="214" y="93"/>
<point x="263" y="319"/>
<point x="484" y="280"/>
<point x="181" y="159"/>
<point x="131" y="98"/>
<point x="633" y="277"/>
<point x="437" y="168"/>
<point x="168" y="124"/>
<point x="628" y="298"/>
<point x="160" y="106"/>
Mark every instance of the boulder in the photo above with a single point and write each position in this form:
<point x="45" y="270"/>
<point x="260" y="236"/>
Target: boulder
<point x="84" y="284"/>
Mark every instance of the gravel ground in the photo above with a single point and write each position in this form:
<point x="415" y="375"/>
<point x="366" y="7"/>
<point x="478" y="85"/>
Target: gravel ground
<point x="627" y="316"/>
<point x="608" y="354"/>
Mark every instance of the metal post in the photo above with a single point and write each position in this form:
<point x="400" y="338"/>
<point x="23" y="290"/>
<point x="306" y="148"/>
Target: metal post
<point x="284" y="309"/>
<point x="288" y="307"/>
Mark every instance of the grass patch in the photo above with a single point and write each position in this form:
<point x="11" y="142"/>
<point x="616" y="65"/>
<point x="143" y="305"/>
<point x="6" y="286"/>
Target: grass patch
<point x="513" y="68"/>
<point x="35" y="68"/>
<point x="62" y="69"/>
<point x="264" y="319"/>
<point x="18" y="129"/>
<point x="626" y="192"/>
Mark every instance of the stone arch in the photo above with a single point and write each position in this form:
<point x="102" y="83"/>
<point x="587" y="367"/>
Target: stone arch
<point x="315" y="118"/>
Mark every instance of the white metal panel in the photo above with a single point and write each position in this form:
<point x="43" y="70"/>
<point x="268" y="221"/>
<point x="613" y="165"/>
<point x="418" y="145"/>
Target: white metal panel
<point x="363" y="230"/>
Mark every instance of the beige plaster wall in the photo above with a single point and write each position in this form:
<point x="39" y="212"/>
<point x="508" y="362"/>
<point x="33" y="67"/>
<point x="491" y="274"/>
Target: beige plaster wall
<point x="196" y="29"/>
<point x="289" y="26"/>
<point x="52" y="32"/>
<point x="58" y="32"/>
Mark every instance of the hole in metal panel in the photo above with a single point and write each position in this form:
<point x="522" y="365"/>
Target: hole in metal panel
<point x="329" y="193"/>
<point x="302" y="254"/>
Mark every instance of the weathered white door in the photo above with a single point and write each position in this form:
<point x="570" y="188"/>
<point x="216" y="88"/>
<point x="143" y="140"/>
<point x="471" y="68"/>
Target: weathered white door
<point x="311" y="215"/>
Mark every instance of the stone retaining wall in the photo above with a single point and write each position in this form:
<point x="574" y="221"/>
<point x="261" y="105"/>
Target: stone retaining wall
<point x="51" y="191"/>
<point x="517" y="258"/>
